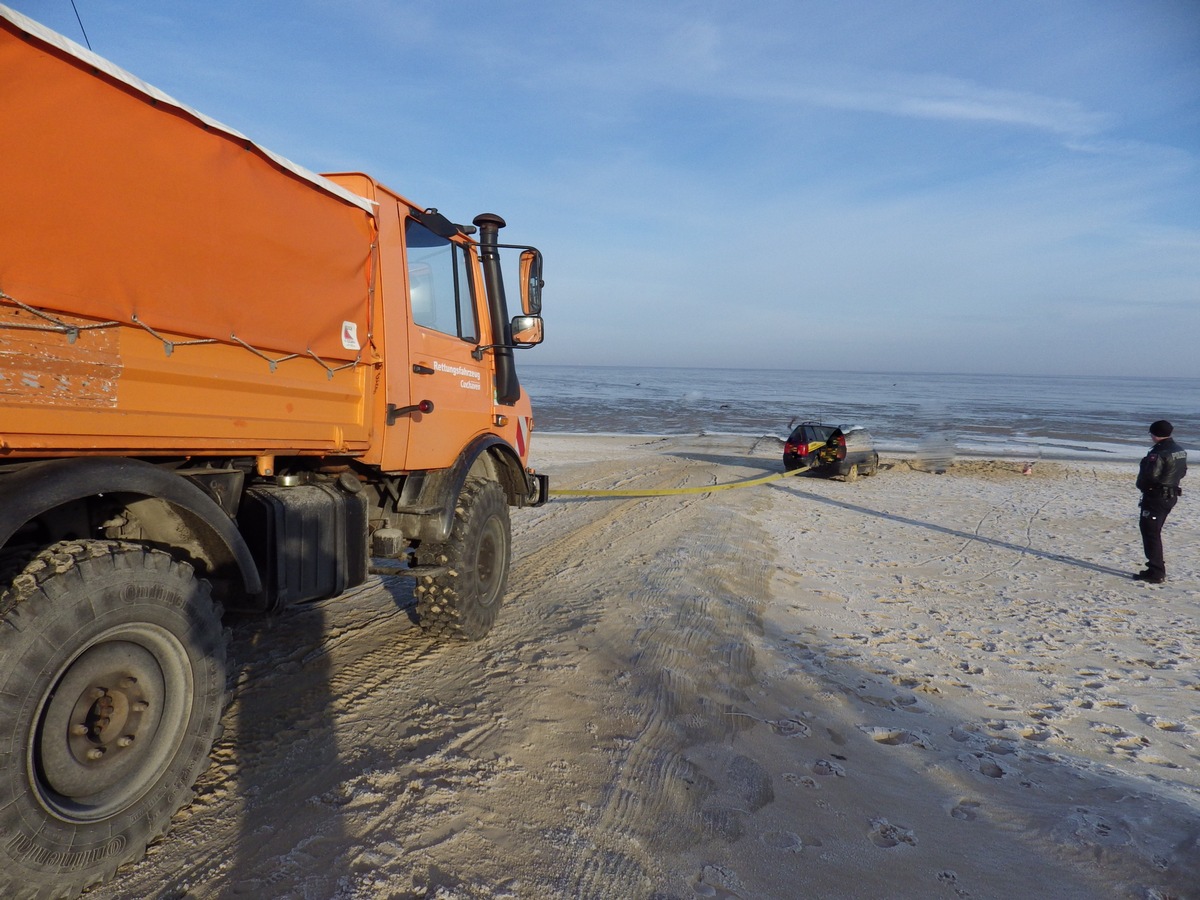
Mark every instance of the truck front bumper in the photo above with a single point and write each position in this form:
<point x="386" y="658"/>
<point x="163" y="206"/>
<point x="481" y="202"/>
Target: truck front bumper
<point x="539" y="489"/>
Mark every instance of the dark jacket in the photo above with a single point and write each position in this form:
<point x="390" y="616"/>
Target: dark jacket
<point x="1162" y="469"/>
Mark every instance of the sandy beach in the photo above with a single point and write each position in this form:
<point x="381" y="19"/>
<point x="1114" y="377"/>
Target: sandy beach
<point x="912" y="685"/>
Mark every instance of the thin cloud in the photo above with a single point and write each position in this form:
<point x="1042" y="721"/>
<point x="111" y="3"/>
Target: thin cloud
<point x="945" y="99"/>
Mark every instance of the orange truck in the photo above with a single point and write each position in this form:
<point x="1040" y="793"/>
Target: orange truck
<point x="226" y="384"/>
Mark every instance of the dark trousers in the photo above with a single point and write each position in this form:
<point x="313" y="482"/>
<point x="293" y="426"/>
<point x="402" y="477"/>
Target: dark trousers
<point x="1155" y="509"/>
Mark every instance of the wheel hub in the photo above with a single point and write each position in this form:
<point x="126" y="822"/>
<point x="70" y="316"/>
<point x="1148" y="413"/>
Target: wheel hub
<point x="489" y="562"/>
<point x="101" y="720"/>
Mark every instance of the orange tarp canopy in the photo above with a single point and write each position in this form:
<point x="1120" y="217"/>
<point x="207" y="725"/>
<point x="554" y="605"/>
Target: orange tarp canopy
<point x="116" y="202"/>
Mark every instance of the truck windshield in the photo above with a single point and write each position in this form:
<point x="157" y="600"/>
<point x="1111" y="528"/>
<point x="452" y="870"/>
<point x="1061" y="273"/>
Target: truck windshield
<point x="440" y="283"/>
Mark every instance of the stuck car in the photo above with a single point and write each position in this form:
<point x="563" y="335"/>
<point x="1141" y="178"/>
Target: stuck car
<point x="848" y="451"/>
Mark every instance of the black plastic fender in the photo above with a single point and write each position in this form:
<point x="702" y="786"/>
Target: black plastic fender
<point x="40" y="487"/>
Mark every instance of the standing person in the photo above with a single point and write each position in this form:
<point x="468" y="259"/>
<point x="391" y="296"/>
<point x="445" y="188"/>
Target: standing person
<point x="1158" y="479"/>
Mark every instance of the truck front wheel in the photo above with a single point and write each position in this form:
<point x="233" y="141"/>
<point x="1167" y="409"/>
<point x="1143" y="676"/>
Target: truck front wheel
<point x="112" y="684"/>
<point x="465" y="599"/>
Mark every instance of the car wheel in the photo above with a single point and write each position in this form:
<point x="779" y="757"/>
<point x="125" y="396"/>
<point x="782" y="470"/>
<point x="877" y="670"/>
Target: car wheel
<point x="852" y="472"/>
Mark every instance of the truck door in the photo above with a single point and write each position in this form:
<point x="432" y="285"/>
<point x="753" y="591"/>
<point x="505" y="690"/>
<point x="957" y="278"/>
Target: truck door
<point x="446" y="327"/>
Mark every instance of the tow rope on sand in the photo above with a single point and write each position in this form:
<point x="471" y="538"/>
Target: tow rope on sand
<point x="669" y="492"/>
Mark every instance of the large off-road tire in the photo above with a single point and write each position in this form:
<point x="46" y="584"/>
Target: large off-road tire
<point x="112" y="685"/>
<point x="464" y="601"/>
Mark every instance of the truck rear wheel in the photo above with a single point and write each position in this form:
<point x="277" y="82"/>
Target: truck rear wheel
<point x="112" y="684"/>
<point x="464" y="601"/>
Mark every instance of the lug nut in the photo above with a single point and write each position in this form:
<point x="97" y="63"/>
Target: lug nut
<point x="95" y="753"/>
<point x="141" y="706"/>
<point x="128" y="681"/>
<point x="125" y="740"/>
<point x="79" y="730"/>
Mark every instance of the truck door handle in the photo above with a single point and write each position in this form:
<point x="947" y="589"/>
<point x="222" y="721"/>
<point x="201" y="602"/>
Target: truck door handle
<point x="422" y="370"/>
<point x="394" y="412"/>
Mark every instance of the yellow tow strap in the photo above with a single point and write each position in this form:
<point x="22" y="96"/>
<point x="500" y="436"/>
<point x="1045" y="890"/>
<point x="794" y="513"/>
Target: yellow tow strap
<point x="668" y="492"/>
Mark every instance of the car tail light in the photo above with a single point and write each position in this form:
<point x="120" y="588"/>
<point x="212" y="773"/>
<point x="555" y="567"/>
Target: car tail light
<point x="841" y="446"/>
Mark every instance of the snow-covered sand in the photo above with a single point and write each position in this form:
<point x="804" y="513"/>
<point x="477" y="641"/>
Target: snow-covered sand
<point x="909" y="686"/>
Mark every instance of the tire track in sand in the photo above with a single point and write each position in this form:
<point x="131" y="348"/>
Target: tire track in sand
<point x="694" y="617"/>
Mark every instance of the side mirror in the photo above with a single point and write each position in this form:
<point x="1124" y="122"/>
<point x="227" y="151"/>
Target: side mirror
<point x="531" y="283"/>
<point x="527" y="330"/>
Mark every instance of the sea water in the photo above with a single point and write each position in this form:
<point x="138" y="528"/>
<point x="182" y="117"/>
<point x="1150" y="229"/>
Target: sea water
<point x="1023" y="416"/>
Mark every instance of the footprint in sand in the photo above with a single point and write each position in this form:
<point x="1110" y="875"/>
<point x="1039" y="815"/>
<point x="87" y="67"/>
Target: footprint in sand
<point x="1043" y="712"/>
<point x="884" y="834"/>
<point x="985" y="764"/>
<point x="967" y="810"/>
<point x="893" y="737"/>
<point x="826" y="767"/>
<point x="949" y="878"/>
<point x="1133" y="743"/>
<point x="1036" y="733"/>
<point x="964" y="734"/>
<point x="908" y="704"/>
<point x="1166" y="724"/>
<point x="748" y="789"/>
<point x="787" y="841"/>
<point x="1086" y="828"/>
<point x="1153" y="759"/>
<point x="724" y="822"/>
<point x="800" y="780"/>
<point x="718" y="882"/>
<point x="790" y="727"/>
<point x="750" y="782"/>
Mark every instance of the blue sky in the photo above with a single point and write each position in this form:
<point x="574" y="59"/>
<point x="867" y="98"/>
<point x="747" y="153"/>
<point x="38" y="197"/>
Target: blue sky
<point x="885" y="186"/>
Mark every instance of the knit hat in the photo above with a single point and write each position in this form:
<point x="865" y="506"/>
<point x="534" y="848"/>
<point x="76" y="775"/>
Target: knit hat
<point x="1161" y="428"/>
